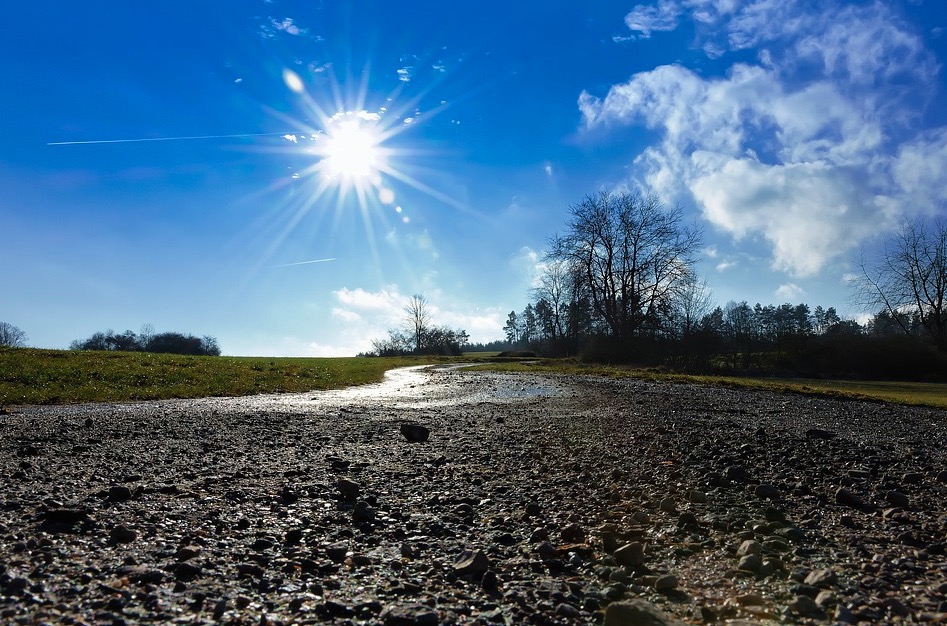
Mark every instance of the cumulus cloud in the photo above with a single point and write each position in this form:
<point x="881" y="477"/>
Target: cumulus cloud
<point x="814" y="148"/>
<point x="790" y="292"/>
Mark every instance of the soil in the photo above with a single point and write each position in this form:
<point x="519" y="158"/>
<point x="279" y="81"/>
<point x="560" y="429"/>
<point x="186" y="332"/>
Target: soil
<point x="508" y="499"/>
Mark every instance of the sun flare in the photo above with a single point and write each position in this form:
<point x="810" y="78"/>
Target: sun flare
<point x="351" y="152"/>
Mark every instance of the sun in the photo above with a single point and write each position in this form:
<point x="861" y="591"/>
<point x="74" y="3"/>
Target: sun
<point x="351" y="151"/>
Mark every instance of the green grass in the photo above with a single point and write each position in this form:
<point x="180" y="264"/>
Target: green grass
<point x="907" y="393"/>
<point x="29" y="376"/>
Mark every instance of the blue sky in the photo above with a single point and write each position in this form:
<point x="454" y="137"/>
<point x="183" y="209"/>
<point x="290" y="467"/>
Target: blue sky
<point x="793" y="132"/>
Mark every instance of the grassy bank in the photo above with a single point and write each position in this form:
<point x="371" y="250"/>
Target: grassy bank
<point x="29" y="376"/>
<point x="907" y="393"/>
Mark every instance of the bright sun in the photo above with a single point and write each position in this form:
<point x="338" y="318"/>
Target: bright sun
<point x="351" y="151"/>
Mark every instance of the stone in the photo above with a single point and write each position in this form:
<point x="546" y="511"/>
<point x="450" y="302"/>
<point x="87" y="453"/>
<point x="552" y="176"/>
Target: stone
<point x="637" y="613"/>
<point x="897" y="499"/>
<point x="630" y="554"/>
<point x="119" y="493"/>
<point x="415" y="433"/>
<point x="667" y="505"/>
<point x="348" y="489"/>
<point x="826" y="598"/>
<point x="847" y="498"/>
<point x="822" y="578"/>
<point x="471" y="564"/>
<point x="122" y="534"/>
<point x="363" y="512"/>
<point x="185" y="553"/>
<point x="337" y="552"/>
<point x="668" y="582"/>
<point x="412" y="615"/>
<point x="804" y="605"/>
<point x="573" y="533"/>
<point x="697" y="497"/>
<point x="749" y="546"/>
<point x="737" y="473"/>
<point x="818" y="433"/>
<point x="750" y="563"/>
<point x="767" y="492"/>
<point x="187" y="571"/>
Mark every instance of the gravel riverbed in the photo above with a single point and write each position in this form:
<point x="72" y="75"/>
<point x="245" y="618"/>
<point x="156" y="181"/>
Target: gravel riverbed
<point x="530" y="500"/>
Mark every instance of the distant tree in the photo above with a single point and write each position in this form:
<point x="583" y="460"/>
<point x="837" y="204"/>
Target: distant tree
<point x="512" y="328"/>
<point x="11" y="336"/>
<point x="418" y="316"/>
<point x="631" y="252"/>
<point x="909" y="276"/>
<point x="128" y="341"/>
<point x="528" y="321"/>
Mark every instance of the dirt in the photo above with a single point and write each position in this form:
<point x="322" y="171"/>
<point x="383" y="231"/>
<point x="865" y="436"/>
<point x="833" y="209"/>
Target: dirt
<point x="532" y="500"/>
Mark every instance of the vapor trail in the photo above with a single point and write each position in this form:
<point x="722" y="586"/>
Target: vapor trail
<point x="144" y="139"/>
<point x="306" y="262"/>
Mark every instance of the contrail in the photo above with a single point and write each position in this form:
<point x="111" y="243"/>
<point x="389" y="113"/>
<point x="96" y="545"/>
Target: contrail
<point x="143" y="139"/>
<point x="305" y="262"/>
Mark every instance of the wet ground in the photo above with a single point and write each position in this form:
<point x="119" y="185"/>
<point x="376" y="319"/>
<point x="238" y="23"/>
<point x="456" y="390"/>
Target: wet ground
<point x="533" y="500"/>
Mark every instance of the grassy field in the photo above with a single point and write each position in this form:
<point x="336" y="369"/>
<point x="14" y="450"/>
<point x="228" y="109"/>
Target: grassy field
<point x="29" y="376"/>
<point x="907" y="393"/>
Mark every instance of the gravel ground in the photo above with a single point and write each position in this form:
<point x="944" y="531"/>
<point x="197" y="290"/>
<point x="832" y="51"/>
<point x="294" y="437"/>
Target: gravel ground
<point x="533" y="500"/>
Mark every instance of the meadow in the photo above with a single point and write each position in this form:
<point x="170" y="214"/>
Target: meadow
<point x="31" y="376"/>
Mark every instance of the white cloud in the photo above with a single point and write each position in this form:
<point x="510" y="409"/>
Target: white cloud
<point x="790" y="292"/>
<point x="647" y="18"/>
<point x="810" y="149"/>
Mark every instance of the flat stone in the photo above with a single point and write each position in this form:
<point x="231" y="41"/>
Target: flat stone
<point x="767" y="492"/>
<point x="471" y="564"/>
<point x="415" y="433"/>
<point x="637" y="613"/>
<point x="631" y="554"/>
<point x="822" y="578"/>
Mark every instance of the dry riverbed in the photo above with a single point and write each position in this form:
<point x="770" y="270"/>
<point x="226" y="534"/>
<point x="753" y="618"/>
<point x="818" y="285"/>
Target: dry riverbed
<point x="534" y="500"/>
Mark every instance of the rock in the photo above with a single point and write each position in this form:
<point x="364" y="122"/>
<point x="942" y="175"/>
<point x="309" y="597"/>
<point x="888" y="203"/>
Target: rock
<point x="533" y="510"/>
<point x="749" y="546"/>
<point x="767" y="492"/>
<point x="805" y="606"/>
<point x="750" y="563"/>
<point x="697" y="497"/>
<point x="897" y="499"/>
<point x="573" y="533"/>
<point x="413" y="615"/>
<point x="846" y="498"/>
<point x="749" y="599"/>
<point x="687" y="520"/>
<point x="637" y="613"/>
<point x="737" y="473"/>
<point x="490" y="581"/>
<point x="826" y="598"/>
<point x="415" y="433"/>
<point x="942" y="476"/>
<point x="818" y="433"/>
<point x="822" y="578"/>
<point x="185" y="553"/>
<point x="630" y="554"/>
<point x="668" y="582"/>
<point x="567" y="610"/>
<point x="186" y="571"/>
<point x="348" y="489"/>
<point x="363" y="512"/>
<point x="337" y="552"/>
<point x="119" y="493"/>
<point x="122" y="534"/>
<point x="667" y="505"/>
<point x="471" y="564"/>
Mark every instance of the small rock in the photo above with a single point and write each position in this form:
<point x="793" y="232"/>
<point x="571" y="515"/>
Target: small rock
<point x="818" y="433"/>
<point x="846" y="498"/>
<point x="749" y="546"/>
<point x="490" y="581"/>
<point x="348" y="489"/>
<point x="337" y="552"/>
<point x="533" y="510"/>
<point x="737" y="473"/>
<point x="667" y="505"/>
<point x="697" y="497"/>
<point x="749" y="599"/>
<point x="573" y="533"/>
<point x="631" y="554"/>
<point x="822" y="578"/>
<point x="471" y="564"/>
<point x="122" y="534"/>
<point x="767" y="492"/>
<point x="667" y="582"/>
<point x="186" y="571"/>
<point x="896" y="607"/>
<point x="898" y="499"/>
<point x="414" y="615"/>
<point x="362" y="512"/>
<point x="415" y="433"/>
<point x="804" y="605"/>
<point x="187" y="552"/>
<point x="750" y="563"/>
<point x="637" y="613"/>
<point x="942" y="476"/>
<point x="826" y="598"/>
<point x="119" y="493"/>
<point x="567" y="610"/>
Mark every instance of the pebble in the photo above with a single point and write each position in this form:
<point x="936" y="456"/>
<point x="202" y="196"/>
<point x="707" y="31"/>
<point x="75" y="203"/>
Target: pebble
<point x="749" y="546"/>
<point x="805" y="606"/>
<point x="898" y="499"/>
<point x="766" y="491"/>
<point x="667" y="505"/>
<point x="637" y="613"/>
<point x="847" y="498"/>
<point x="630" y="554"/>
<point x="362" y="512"/>
<point x="348" y="489"/>
<point x="415" y="433"/>
<point x="750" y="563"/>
<point x="822" y="578"/>
<point x="471" y="564"/>
<point x="119" y="493"/>
<point x="667" y="582"/>
<point x="122" y="534"/>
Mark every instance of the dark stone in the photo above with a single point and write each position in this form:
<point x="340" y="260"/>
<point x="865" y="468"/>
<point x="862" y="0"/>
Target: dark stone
<point x="415" y="433"/>
<point x="471" y="564"/>
<point x="818" y="433"/>
<point x="119" y="493"/>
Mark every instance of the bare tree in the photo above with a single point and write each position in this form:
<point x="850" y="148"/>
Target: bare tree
<point x="554" y="289"/>
<point x="909" y="276"/>
<point x="418" y="318"/>
<point x="11" y="336"/>
<point x="631" y="253"/>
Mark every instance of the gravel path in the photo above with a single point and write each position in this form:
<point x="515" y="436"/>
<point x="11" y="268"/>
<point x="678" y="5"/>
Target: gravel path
<point x="533" y="500"/>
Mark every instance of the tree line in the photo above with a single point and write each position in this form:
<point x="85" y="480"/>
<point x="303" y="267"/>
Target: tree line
<point x="419" y="335"/>
<point x="619" y="284"/>
<point x="149" y="341"/>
